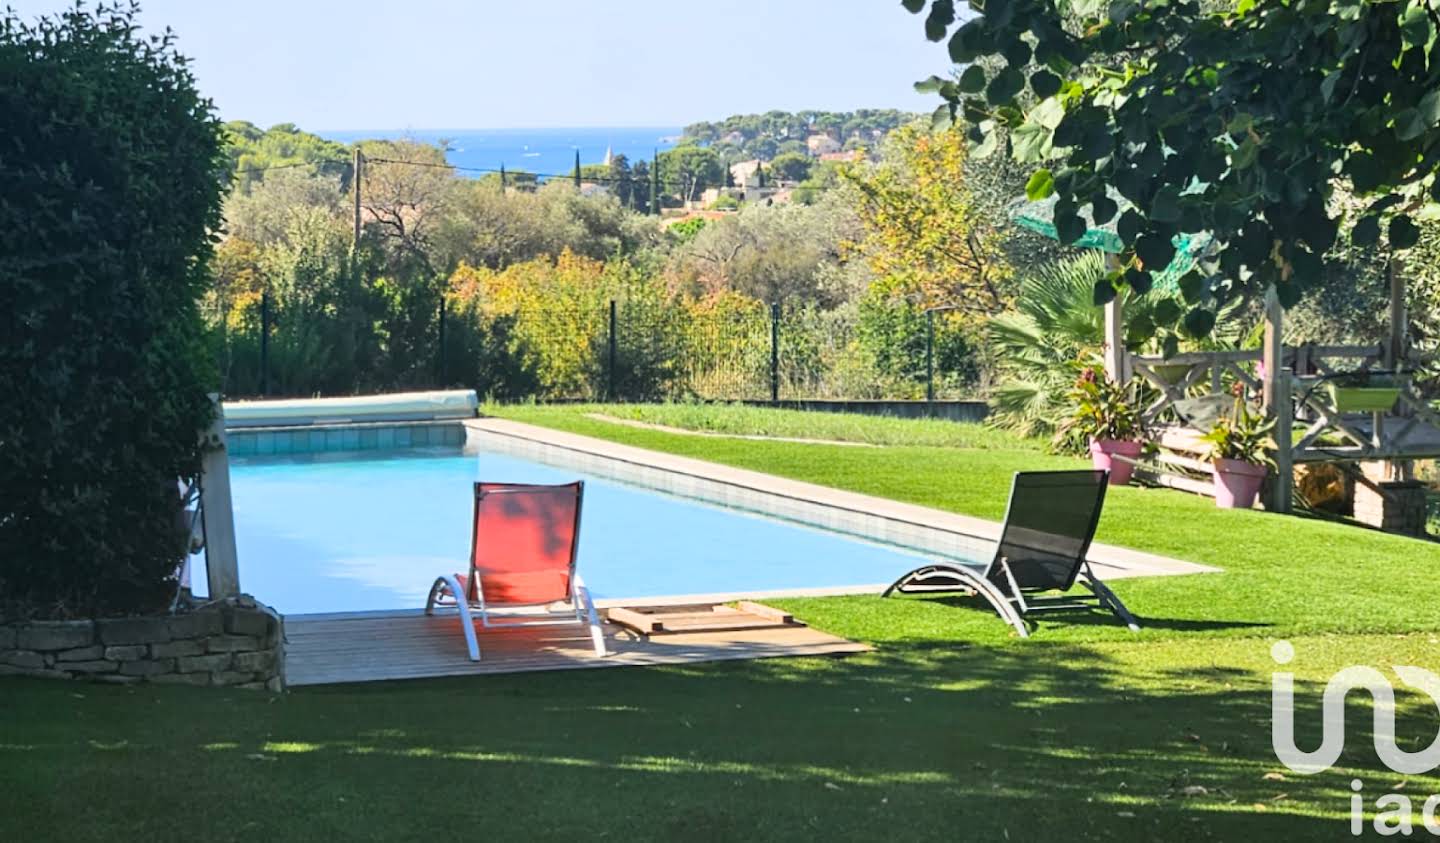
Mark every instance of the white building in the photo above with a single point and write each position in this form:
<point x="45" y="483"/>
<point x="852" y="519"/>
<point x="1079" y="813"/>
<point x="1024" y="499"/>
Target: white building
<point x="746" y="173"/>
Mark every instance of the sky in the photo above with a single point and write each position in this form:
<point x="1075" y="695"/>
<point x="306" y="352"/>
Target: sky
<point x="428" y="64"/>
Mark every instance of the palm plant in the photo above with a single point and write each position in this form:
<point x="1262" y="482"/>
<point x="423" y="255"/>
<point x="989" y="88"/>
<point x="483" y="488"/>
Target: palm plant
<point x="1055" y="332"/>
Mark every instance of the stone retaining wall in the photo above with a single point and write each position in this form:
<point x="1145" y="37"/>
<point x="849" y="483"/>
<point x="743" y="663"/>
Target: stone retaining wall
<point x="236" y="642"/>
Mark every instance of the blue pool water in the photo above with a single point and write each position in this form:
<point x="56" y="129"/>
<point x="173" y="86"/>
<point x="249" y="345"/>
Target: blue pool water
<point x="318" y="533"/>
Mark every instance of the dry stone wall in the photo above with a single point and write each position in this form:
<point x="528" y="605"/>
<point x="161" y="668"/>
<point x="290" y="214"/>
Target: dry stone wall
<point x="237" y="642"/>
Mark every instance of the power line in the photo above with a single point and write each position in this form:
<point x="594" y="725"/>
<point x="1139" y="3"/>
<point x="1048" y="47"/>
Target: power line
<point x="245" y="171"/>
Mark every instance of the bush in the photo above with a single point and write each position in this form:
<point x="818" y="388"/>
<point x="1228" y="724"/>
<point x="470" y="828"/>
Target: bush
<point x="110" y="178"/>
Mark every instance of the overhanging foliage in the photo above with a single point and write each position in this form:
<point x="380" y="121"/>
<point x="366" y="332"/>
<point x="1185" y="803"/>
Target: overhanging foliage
<point x="1240" y="122"/>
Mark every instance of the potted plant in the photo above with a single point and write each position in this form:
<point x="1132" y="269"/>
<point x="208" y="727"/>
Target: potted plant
<point x="1109" y="421"/>
<point x="1240" y="447"/>
<point x="1364" y="392"/>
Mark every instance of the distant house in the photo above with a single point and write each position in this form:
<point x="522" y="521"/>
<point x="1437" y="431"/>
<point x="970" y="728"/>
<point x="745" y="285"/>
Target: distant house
<point x="746" y="173"/>
<point x="590" y="188"/>
<point x="821" y="144"/>
<point x="734" y="139"/>
<point x="852" y="155"/>
<point x="690" y="215"/>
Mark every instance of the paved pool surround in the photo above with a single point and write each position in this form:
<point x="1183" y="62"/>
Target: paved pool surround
<point x="916" y="528"/>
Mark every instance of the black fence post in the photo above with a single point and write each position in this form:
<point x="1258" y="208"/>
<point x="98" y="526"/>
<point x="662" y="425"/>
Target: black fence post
<point x="610" y="363"/>
<point x="930" y="362"/>
<point x="441" y="352"/>
<point x="265" y="343"/>
<point x="775" y="352"/>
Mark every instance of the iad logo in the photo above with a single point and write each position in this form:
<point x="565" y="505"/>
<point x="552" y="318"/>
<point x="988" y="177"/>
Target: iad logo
<point x="1394" y="812"/>
<point x="1282" y="712"/>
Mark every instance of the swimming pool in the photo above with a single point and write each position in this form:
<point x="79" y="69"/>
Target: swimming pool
<point x="371" y="530"/>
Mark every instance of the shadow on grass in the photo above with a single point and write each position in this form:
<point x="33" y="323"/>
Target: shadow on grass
<point x="1085" y="616"/>
<point x="918" y="741"/>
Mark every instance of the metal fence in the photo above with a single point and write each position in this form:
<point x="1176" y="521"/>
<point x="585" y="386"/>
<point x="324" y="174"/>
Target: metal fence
<point x="615" y="351"/>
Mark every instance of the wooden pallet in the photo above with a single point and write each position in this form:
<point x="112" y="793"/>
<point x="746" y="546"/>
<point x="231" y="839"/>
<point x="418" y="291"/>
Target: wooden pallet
<point x="704" y="618"/>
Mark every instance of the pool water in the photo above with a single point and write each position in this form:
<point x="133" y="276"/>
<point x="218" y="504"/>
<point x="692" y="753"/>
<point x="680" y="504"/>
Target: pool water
<point x="333" y="533"/>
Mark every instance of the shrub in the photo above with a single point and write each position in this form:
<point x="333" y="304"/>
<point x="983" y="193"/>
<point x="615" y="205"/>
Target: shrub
<point x="110" y="177"/>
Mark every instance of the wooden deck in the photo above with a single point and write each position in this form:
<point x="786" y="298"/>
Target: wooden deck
<point x="369" y="647"/>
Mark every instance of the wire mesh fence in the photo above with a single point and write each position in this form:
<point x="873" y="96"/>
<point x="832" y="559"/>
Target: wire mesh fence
<point x="616" y="351"/>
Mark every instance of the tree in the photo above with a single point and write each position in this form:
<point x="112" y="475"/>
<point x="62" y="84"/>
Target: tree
<point x="640" y="189"/>
<point x="577" y="169"/>
<point x="111" y="200"/>
<point x="772" y="253"/>
<point x="406" y="192"/>
<point x="922" y="226"/>
<point x="791" y="166"/>
<point x="1240" y="121"/>
<point x="252" y="153"/>
<point x="690" y="169"/>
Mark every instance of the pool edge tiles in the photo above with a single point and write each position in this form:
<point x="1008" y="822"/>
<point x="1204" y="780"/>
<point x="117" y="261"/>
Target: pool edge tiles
<point x="339" y="437"/>
<point x="907" y="526"/>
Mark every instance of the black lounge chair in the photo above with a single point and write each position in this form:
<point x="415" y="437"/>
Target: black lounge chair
<point x="1049" y="523"/>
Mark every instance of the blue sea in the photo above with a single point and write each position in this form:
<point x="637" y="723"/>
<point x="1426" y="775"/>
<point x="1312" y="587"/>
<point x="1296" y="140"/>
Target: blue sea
<point x="540" y="151"/>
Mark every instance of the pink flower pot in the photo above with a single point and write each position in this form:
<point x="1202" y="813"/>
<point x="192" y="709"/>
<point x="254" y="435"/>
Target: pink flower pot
<point x="1102" y="449"/>
<point x="1237" y="482"/>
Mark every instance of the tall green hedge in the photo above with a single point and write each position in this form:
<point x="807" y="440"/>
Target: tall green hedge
<point x="109" y="198"/>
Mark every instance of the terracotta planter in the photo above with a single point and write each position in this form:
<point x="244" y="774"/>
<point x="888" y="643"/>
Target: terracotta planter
<point x="1102" y="449"/>
<point x="1237" y="482"/>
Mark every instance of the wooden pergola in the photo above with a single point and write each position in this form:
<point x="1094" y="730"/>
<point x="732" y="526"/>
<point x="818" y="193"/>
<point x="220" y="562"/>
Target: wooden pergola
<point x="1287" y="378"/>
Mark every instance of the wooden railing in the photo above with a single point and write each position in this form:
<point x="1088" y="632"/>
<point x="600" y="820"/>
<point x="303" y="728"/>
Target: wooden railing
<point x="1299" y="390"/>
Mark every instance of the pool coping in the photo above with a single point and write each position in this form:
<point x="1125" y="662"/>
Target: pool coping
<point x="918" y="528"/>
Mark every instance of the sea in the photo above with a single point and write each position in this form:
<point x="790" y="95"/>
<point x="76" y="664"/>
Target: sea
<point x="544" y="152"/>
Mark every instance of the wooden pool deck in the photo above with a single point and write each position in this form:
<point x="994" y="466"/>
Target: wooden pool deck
<point x="377" y="646"/>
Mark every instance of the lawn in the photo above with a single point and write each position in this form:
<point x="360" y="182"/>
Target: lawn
<point x="1283" y="575"/>
<point x="949" y="730"/>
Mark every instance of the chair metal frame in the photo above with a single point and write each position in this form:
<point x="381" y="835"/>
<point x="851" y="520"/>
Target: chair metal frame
<point x="1007" y="597"/>
<point x="447" y="589"/>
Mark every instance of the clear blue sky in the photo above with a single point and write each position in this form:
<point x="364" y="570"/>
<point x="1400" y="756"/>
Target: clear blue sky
<point x="419" y="64"/>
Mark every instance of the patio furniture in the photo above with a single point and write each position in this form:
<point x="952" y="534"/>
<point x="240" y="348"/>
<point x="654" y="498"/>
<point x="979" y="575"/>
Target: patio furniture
<point x="522" y="556"/>
<point x="1048" y="526"/>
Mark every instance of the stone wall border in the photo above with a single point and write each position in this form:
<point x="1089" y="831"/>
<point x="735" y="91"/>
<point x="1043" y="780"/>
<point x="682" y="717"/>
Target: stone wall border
<point x="237" y="642"/>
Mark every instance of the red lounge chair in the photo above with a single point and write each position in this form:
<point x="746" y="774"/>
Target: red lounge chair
<point x="522" y="554"/>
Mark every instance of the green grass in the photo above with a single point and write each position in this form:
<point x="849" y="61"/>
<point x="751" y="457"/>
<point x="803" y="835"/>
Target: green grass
<point x="1282" y="575"/>
<point x="742" y="420"/>
<point x="1065" y="741"/>
<point x="950" y="729"/>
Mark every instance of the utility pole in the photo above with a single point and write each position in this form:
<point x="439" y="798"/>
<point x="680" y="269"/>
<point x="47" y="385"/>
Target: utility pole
<point x="357" y="167"/>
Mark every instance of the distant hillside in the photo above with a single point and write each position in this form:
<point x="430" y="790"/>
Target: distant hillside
<point x="764" y="136"/>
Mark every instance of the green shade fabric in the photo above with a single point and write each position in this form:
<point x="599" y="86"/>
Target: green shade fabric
<point x="1039" y="217"/>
